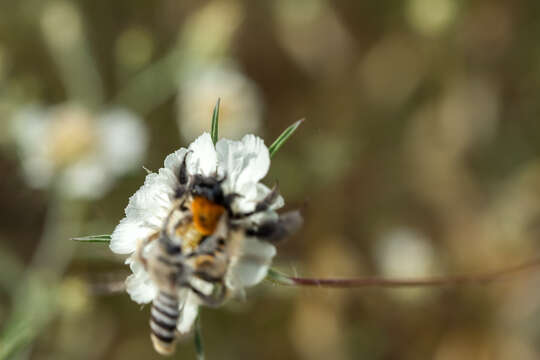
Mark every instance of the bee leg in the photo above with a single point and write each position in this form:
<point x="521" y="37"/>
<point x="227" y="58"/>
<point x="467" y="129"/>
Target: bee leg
<point x="268" y="200"/>
<point x="262" y="205"/>
<point x="212" y="300"/>
<point x="139" y="252"/>
<point x="183" y="177"/>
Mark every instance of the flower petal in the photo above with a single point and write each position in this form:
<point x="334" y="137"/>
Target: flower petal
<point x="146" y="211"/>
<point x="251" y="266"/>
<point x="87" y="178"/>
<point x="258" y="159"/>
<point x="123" y="140"/>
<point x="126" y="236"/>
<point x="29" y="127"/>
<point x="245" y="162"/>
<point x="152" y="202"/>
<point x="203" y="158"/>
<point x="174" y="160"/>
<point x="139" y="286"/>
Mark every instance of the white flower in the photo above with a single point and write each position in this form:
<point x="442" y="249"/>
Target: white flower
<point x="241" y="104"/>
<point x="83" y="152"/>
<point x="244" y="163"/>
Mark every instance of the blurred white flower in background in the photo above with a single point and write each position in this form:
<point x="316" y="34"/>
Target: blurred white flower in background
<point x="405" y="253"/>
<point x="82" y="151"/>
<point x="240" y="109"/>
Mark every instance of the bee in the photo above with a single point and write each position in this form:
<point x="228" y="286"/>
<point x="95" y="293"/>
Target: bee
<point x="195" y="245"/>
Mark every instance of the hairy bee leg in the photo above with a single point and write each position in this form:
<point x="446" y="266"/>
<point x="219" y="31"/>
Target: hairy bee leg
<point x="268" y="200"/>
<point x="183" y="177"/>
<point x="140" y="248"/>
<point x="211" y="300"/>
<point x="262" y="205"/>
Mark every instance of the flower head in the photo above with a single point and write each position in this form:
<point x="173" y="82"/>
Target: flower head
<point x="241" y="106"/>
<point x="82" y="151"/>
<point x="238" y="167"/>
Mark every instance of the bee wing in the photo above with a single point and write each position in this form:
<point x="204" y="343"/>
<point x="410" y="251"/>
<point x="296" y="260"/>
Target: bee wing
<point x="107" y="284"/>
<point x="275" y="230"/>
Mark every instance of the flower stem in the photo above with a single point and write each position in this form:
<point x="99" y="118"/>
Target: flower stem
<point x="199" y="349"/>
<point x="374" y="281"/>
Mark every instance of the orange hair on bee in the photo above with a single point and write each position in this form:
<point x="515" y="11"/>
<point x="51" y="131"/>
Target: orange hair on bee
<point x="206" y="214"/>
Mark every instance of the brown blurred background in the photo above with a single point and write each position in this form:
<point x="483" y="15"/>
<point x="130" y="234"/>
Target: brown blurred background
<point x="420" y="156"/>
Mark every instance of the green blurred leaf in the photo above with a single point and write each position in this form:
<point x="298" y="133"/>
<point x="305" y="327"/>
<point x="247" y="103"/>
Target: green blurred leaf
<point x="35" y="305"/>
<point x="215" y="120"/>
<point x="284" y="137"/>
<point x="94" y="239"/>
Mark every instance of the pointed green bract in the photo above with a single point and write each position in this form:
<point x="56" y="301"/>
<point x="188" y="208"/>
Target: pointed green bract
<point x="94" y="239"/>
<point x="283" y="137"/>
<point x="215" y="120"/>
<point x="278" y="278"/>
<point x="198" y="339"/>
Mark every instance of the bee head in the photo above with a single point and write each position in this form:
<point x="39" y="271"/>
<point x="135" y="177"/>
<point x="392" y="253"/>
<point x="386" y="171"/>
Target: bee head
<point x="208" y="188"/>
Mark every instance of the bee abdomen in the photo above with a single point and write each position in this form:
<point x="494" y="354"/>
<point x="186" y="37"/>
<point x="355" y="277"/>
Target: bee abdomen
<point x="163" y="320"/>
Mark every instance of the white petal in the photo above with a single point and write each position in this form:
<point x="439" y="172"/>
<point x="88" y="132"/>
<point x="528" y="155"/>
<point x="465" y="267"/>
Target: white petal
<point x="203" y="158"/>
<point x="87" y="178"/>
<point x="245" y="162"/>
<point x="139" y="285"/>
<point x="258" y="159"/>
<point x="123" y="140"/>
<point x="174" y="161"/>
<point x="152" y="202"/>
<point x="251" y="266"/>
<point x="248" y="200"/>
<point x="188" y="313"/>
<point x="29" y="128"/>
<point x="126" y="236"/>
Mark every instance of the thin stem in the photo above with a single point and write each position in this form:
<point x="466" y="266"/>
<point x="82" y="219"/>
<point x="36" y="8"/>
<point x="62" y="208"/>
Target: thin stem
<point x="374" y="281"/>
<point x="199" y="349"/>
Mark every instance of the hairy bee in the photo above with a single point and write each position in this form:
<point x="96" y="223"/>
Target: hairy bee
<point x="195" y="245"/>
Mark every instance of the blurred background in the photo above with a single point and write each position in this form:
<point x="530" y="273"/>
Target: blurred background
<point x="420" y="156"/>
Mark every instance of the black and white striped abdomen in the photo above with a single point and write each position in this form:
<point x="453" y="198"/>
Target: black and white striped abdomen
<point x="163" y="320"/>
